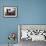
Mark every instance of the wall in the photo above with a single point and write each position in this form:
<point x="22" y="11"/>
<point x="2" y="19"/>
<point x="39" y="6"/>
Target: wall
<point x="29" y="12"/>
<point x="7" y="25"/>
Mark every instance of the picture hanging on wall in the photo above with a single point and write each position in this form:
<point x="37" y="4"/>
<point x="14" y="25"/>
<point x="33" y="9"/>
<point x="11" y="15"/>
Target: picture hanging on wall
<point x="31" y="32"/>
<point x="10" y="11"/>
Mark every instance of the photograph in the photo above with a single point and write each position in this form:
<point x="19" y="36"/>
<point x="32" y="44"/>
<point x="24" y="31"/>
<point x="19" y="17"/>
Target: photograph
<point x="32" y="32"/>
<point x="10" y="11"/>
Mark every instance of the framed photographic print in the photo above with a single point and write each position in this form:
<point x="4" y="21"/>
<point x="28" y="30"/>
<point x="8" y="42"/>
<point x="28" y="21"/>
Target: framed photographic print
<point x="33" y="32"/>
<point x="10" y="11"/>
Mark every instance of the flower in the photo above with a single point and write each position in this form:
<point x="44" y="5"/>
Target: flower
<point x="12" y="36"/>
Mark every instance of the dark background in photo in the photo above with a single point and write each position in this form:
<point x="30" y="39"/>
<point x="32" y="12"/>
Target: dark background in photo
<point x="11" y="13"/>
